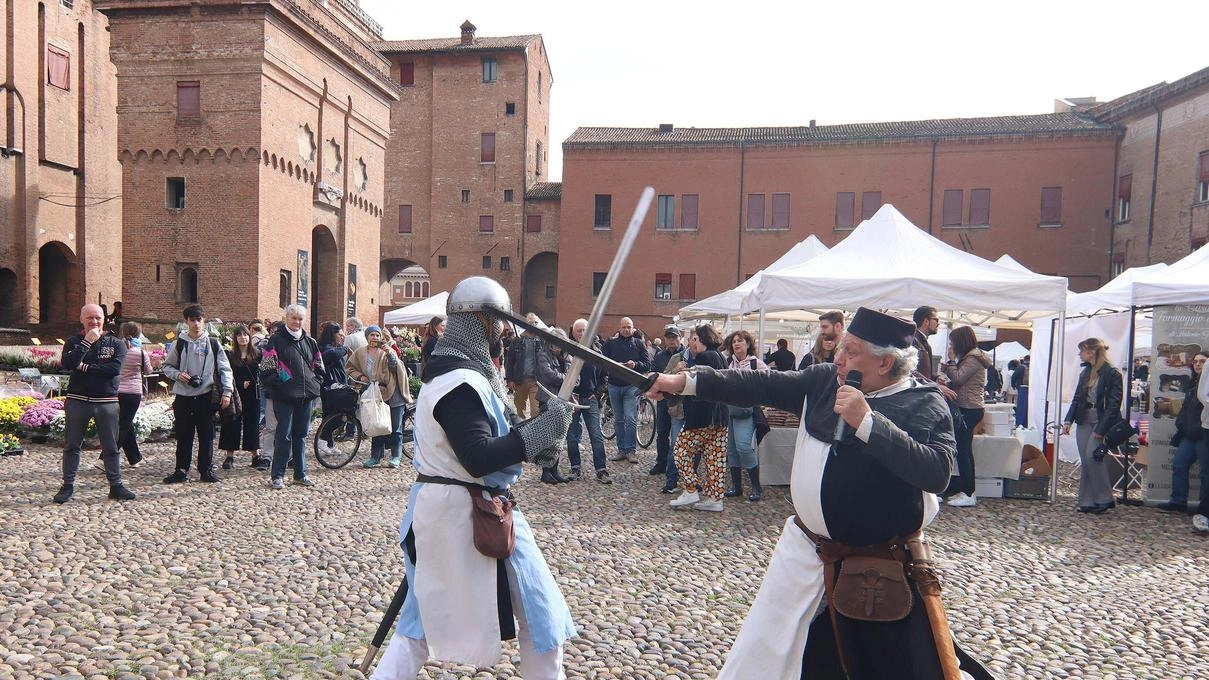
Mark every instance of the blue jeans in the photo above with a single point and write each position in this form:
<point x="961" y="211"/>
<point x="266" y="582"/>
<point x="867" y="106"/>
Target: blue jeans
<point x="1187" y="453"/>
<point x="293" y="421"/>
<point x="672" y="476"/>
<point x="377" y="445"/>
<point x="624" y="400"/>
<point x="590" y="418"/>
<point x="739" y="450"/>
<point x="663" y="434"/>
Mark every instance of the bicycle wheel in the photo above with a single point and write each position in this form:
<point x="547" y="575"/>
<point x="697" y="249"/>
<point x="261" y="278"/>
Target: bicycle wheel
<point x="646" y="423"/>
<point x="607" y="426"/>
<point x="409" y="424"/>
<point x="338" y="440"/>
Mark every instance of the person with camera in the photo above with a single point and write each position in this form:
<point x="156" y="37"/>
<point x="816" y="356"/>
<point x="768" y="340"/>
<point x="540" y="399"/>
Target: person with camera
<point x="1095" y="408"/>
<point x="374" y="363"/>
<point x="95" y="360"/>
<point x="194" y="362"/>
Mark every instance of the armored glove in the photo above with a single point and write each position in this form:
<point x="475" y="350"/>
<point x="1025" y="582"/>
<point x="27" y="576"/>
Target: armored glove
<point x="545" y="435"/>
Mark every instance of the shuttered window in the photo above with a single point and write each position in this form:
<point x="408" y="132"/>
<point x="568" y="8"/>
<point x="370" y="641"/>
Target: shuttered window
<point x="58" y="68"/>
<point x="405" y="219"/>
<point x="533" y="223"/>
<point x="407" y="74"/>
<point x="188" y="99"/>
<point x="486" y="224"/>
<point x="870" y="202"/>
<point x="950" y="215"/>
<point x="666" y="218"/>
<point x="845" y="210"/>
<point x="1202" y="185"/>
<point x="487" y="147"/>
<point x="755" y="211"/>
<point x="688" y="286"/>
<point x="603" y="217"/>
<point x="1051" y="205"/>
<point x="780" y="211"/>
<point x="980" y="206"/>
<point x="1124" y="193"/>
<point x="688" y="211"/>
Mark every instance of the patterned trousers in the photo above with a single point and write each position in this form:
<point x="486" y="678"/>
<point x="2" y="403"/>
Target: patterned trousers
<point x="710" y="443"/>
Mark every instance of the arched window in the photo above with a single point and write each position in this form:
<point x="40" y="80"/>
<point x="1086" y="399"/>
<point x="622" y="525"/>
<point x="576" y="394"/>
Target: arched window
<point x="425" y="289"/>
<point x="187" y="282"/>
<point x="407" y="287"/>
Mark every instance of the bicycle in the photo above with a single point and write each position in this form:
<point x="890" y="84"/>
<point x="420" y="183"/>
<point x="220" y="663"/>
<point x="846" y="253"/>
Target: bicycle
<point x="338" y="438"/>
<point x="644" y="424"/>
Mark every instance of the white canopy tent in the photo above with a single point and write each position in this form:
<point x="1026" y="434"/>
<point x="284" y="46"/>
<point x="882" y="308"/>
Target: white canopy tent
<point x="417" y="313"/>
<point x="740" y="300"/>
<point x="890" y="263"/>
<point x="1184" y="283"/>
<point x="1114" y="296"/>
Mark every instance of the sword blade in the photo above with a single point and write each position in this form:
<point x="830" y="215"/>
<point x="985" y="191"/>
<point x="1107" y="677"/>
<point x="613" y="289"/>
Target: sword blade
<point x="606" y="290"/>
<point x="581" y="354"/>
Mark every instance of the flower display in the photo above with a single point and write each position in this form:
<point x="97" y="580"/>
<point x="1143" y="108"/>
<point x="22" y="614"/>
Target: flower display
<point x="155" y="416"/>
<point x="9" y="442"/>
<point x="38" y="415"/>
<point x="11" y="410"/>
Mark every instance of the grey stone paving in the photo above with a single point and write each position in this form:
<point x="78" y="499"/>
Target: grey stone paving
<point x="235" y="580"/>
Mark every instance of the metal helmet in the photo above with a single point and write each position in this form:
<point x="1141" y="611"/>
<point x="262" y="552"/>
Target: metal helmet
<point x="478" y="294"/>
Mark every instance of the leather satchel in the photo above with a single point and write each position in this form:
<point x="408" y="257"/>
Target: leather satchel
<point x="872" y="589"/>
<point x="494" y="532"/>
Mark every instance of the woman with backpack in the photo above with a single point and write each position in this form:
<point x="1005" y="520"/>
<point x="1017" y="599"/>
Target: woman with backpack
<point x="740" y="448"/>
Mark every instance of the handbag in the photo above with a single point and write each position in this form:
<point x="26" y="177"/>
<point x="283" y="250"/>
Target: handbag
<point x="373" y="413"/>
<point x="762" y="426"/>
<point x="235" y="407"/>
<point x="491" y="518"/>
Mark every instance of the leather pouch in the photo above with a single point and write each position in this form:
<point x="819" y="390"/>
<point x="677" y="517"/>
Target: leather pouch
<point x="494" y="533"/>
<point x="872" y="589"/>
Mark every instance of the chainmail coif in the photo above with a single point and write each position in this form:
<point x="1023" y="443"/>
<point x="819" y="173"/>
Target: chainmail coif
<point x="466" y="338"/>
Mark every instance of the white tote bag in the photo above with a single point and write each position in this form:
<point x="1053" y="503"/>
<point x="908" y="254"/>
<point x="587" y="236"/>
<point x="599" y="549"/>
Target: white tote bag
<point x="373" y="413"/>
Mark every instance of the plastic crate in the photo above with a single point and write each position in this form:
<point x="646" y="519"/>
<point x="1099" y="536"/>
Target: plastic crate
<point x="1028" y="488"/>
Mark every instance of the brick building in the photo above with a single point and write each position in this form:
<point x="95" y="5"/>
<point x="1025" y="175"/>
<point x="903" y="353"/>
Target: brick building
<point x="465" y="180"/>
<point x="60" y="215"/>
<point x="733" y="200"/>
<point x="252" y="136"/>
<point x="1161" y="187"/>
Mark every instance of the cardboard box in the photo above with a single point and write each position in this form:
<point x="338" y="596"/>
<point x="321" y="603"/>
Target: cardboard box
<point x="999" y="430"/>
<point x="997" y="418"/>
<point x="988" y="487"/>
<point x="1037" y="467"/>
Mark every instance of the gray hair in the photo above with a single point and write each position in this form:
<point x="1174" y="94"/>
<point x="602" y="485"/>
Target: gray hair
<point x="905" y="358"/>
<point x="357" y="324"/>
<point x="296" y="310"/>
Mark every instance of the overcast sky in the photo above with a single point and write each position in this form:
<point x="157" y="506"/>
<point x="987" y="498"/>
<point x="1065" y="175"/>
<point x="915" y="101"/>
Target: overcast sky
<point x="705" y="64"/>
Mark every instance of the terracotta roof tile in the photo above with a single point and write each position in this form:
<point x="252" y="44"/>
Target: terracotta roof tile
<point x="511" y="42"/>
<point x="1044" y="124"/>
<point x="1122" y="106"/>
<point x="545" y="191"/>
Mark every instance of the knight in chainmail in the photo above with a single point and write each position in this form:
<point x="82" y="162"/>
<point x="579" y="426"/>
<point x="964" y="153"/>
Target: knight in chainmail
<point x="461" y="604"/>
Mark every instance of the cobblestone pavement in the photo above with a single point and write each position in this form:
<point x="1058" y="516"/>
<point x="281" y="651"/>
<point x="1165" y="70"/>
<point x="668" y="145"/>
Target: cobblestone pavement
<point x="236" y="580"/>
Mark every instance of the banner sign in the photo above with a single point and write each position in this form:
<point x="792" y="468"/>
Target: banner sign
<point x="1180" y="332"/>
<point x="304" y="276"/>
<point x="351" y="308"/>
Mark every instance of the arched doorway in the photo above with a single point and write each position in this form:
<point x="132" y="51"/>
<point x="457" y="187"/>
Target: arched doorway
<point x="326" y="301"/>
<point x="538" y="287"/>
<point x="58" y="284"/>
<point x="8" y="298"/>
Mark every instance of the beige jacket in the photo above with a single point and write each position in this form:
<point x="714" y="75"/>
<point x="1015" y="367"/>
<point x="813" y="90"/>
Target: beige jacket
<point x="968" y="378"/>
<point x="389" y="371"/>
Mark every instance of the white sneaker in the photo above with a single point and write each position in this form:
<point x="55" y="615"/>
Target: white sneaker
<point x="961" y="500"/>
<point x="325" y="448"/>
<point x="712" y="506"/>
<point x="686" y="500"/>
<point x="1200" y="523"/>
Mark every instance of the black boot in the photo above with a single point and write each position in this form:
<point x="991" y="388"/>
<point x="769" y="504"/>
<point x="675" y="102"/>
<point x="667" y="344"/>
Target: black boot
<point x="548" y="476"/>
<point x="559" y="476"/>
<point x="736" y="483"/>
<point x="757" y="492"/>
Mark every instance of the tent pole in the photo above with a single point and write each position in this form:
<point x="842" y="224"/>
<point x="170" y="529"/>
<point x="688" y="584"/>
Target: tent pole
<point x="760" y="342"/>
<point x="1058" y="338"/>
<point x="1126" y="463"/>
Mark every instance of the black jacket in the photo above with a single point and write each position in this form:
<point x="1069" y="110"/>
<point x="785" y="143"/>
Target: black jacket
<point x="621" y="350"/>
<point x="1188" y="422"/>
<point x="291" y="369"/>
<point x="95" y="368"/>
<point x="698" y="412"/>
<point x="1110" y="392"/>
